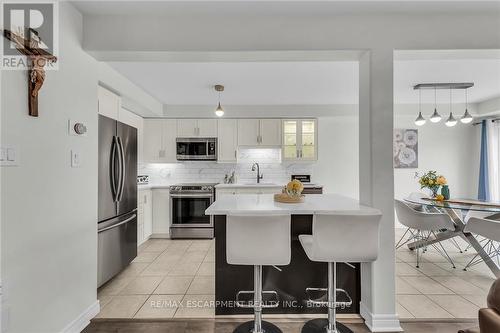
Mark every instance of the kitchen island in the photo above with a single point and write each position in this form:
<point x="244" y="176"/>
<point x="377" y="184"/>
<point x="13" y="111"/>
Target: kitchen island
<point x="291" y="281"/>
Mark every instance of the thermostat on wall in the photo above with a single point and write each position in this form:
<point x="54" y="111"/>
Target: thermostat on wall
<point x="77" y="128"/>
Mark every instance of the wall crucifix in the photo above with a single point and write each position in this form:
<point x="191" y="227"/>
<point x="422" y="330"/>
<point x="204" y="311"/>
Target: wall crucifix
<point x="37" y="59"/>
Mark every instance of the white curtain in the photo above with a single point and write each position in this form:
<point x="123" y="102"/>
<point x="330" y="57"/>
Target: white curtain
<point x="493" y="130"/>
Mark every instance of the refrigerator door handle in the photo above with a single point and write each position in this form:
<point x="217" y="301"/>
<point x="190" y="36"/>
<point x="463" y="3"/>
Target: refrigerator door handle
<point x="114" y="190"/>
<point x="118" y="224"/>
<point x="122" y="168"/>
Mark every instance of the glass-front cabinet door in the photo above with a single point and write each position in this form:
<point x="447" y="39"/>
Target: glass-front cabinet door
<point x="290" y="131"/>
<point x="300" y="139"/>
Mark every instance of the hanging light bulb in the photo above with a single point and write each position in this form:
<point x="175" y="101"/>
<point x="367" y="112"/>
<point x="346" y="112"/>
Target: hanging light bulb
<point x="451" y="121"/>
<point x="436" y="117"/>
<point x="466" y="118"/>
<point x="219" y="112"/>
<point x="420" y="121"/>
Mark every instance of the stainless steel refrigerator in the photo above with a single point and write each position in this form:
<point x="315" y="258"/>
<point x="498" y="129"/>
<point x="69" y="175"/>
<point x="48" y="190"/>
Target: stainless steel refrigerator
<point x="117" y="206"/>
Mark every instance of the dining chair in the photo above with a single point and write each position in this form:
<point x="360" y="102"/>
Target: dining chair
<point x="475" y="211"/>
<point x="424" y="225"/>
<point x="416" y="196"/>
<point x="489" y="230"/>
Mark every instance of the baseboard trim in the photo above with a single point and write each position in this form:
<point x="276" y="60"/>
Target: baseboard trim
<point x="160" y="235"/>
<point x="79" y="324"/>
<point x="380" y="322"/>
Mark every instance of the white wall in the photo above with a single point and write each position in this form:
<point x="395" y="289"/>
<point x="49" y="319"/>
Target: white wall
<point x="337" y="167"/>
<point x="451" y="151"/>
<point x="49" y="210"/>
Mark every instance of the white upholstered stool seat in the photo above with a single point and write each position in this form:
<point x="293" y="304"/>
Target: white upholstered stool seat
<point x="339" y="238"/>
<point x="258" y="241"/>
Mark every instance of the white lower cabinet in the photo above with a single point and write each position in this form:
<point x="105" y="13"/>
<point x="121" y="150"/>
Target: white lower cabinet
<point x="161" y="213"/>
<point x="144" y="215"/>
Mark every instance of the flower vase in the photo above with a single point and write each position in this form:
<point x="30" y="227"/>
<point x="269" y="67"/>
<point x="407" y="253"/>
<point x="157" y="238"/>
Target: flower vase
<point x="445" y="192"/>
<point x="434" y="192"/>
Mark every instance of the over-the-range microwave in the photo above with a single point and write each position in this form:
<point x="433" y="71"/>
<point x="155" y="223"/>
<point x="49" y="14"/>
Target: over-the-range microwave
<point x="196" y="149"/>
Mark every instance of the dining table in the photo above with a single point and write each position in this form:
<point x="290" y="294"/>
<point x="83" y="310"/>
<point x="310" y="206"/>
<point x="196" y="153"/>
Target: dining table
<point x="459" y="210"/>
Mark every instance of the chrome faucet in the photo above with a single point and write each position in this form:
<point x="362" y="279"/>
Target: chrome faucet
<point x="259" y="175"/>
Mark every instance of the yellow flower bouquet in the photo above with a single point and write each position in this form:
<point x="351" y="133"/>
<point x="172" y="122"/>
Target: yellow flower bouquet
<point x="294" y="188"/>
<point x="432" y="181"/>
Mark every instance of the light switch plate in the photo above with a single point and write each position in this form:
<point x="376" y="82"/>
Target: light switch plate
<point x="9" y="155"/>
<point x="75" y="159"/>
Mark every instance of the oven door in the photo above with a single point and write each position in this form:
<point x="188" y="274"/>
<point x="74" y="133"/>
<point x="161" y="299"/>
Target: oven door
<point x="188" y="211"/>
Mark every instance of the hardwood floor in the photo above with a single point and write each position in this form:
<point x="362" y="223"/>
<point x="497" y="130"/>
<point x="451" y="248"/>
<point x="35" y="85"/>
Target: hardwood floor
<point x="224" y="326"/>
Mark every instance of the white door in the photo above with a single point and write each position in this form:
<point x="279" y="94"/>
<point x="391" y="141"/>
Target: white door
<point x="153" y="140"/>
<point x="248" y="132"/>
<point x="270" y="132"/>
<point x="227" y="140"/>
<point x="207" y="128"/>
<point x="109" y="103"/>
<point x="187" y="128"/>
<point x="169" y="132"/>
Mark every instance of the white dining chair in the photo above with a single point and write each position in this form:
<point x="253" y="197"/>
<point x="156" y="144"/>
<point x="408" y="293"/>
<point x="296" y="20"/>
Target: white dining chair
<point x="425" y="224"/>
<point x="405" y="239"/>
<point x="489" y="230"/>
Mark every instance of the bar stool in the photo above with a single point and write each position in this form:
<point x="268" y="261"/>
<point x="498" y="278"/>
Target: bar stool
<point x="339" y="238"/>
<point x="258" y="241"/>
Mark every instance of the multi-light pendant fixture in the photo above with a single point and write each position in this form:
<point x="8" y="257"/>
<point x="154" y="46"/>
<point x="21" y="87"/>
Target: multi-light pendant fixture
<point x="436" y="117"/>
<point x="219" y="111"/>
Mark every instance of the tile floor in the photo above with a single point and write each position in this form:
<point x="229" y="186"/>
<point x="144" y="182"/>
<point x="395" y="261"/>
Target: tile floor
<point x="168" y="279"/>
<point x="175" y="279"/>
<point x="436" y="289"/>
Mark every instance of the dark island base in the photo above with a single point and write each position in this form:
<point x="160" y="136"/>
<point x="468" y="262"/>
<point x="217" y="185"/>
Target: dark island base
<point x="290" y="283"/>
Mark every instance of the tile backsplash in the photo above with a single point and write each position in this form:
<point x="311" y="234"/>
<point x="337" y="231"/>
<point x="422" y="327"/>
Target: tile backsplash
<point x="211" y="172"/>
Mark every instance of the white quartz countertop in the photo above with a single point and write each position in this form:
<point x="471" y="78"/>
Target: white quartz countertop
<point x="263" y="184"/>
<point x="264" y="204"/>
<point x="235" y="185"/>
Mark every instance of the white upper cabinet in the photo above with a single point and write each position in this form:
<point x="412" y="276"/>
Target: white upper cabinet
<point x="109" y="103"/>
<point x="227" y="140"/>
<point x="159" y="140"/>
<point x="207" y="128"/>
<point x="270" y="132"/>
<point x="248" y="132"/>
<point x="300" y="140"/>
<point x="259" y="132"/>
<point x="189" y="128"/>
<point x="137" y="122"/>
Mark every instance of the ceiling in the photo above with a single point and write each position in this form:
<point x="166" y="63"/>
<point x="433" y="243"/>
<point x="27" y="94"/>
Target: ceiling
<point x="484" y="73"/>
<point x="247" y="83"/>
<point x="193" y="8"/>
<point x="305" y="83"/>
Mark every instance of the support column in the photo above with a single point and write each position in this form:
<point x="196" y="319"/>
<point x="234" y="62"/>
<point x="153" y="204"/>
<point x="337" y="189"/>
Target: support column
<point x="376" y="186"/>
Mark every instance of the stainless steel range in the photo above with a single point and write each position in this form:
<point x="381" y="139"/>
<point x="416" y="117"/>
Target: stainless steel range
<point x="188" y="203"/>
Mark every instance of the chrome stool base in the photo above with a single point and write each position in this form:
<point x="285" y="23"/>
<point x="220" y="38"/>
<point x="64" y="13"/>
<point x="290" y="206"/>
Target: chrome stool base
<point x="320" y="326"/>
<point x="267" y="327"/>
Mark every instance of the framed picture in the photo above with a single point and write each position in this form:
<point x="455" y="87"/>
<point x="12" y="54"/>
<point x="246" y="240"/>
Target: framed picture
<point x="405" y="148"/>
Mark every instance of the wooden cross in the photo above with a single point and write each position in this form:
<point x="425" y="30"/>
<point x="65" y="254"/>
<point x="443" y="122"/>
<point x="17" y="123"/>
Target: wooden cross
<point x="37" y="59"/>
